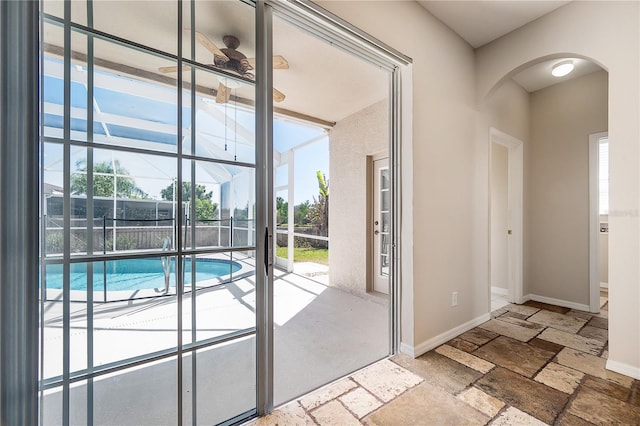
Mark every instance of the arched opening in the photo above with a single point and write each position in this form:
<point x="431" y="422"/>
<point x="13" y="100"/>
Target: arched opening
<point x="554" y="116"/>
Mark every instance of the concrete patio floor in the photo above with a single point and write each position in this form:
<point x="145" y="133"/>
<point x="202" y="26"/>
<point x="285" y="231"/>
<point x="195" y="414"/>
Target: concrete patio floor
<point x="321" y="333"/>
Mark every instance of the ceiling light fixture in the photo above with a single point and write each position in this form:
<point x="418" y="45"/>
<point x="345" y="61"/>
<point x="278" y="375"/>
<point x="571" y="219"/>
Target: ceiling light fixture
<point x="562" y="68"/>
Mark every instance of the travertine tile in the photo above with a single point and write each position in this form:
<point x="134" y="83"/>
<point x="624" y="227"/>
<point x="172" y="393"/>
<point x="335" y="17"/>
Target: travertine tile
<point x="608" y="388"/>
<point x="510" y="314"/>
<point x="510" y="330"/>
<point x="546" y="306"/>
<point x="360" y="402"/>
<point x="559" y="321"/>
<point x="499" y="312"/>
<point x="512" y="416"/>
<point x="327" y="393"/>
<point x="514" y="355"/>
<point x="610" y="411"/>
<point x="440" y="371"/>
<point x="605" y="354"/>
<point x="481" y="401"/>
<point x="571" y="340"/>
<point x="478" y="336"/>
<point x="522" y="309"/>
<point x="559" y="377"/>
<point x="464" y="358"/>
<point x="635" y="394"/>
<point x="594" y="333"/>
<point x="462" y="344"/>
<point x="291" y="414"/>
<point x="603" y="314"/>
<point x="571" y="420"/>
<point x="334" y="413"/>
<point x="386" y="380"/>
<point x="426" y="405"/>
<point x="534" y="398"/>
<point x="580" y="314"/>
<point x="546" y="345"/>
<point x="521" y="322"/>
<point x="591" y="364"/>
<point x="599" y="323"/>
<point x="603" y="300"/>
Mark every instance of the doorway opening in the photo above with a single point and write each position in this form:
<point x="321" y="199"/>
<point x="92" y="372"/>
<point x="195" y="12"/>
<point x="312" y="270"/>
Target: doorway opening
<point x="598" y="220"/>
<point x="506" y="219"/>
<point x="327" y="323"/>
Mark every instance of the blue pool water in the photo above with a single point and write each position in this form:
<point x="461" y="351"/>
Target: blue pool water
<point x="136" y="274"/>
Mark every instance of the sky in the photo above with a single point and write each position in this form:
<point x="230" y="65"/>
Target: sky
<point x="142" y="105"/>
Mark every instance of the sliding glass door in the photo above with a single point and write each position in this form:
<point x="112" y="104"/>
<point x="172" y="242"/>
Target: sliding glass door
<point x="149" y="212"/>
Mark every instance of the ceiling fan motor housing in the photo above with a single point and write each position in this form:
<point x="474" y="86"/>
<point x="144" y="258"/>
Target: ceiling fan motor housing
<point x="237" y="61"/>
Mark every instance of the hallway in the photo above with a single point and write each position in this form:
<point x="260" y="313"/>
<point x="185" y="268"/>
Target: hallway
<point x="531" y="364"/>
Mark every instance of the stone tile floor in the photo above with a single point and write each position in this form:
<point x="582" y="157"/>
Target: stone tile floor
<point x="532" y="364"/>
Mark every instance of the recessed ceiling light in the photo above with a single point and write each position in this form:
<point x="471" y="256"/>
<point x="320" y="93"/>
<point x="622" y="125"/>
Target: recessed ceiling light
<point x="562" y="68"/>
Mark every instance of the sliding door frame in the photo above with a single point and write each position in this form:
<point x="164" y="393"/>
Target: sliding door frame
<point x="314" y="19"/>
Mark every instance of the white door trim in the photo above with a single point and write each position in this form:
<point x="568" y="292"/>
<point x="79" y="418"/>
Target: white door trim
<point x="515" y="211"/>
<point x="594" y="221"/>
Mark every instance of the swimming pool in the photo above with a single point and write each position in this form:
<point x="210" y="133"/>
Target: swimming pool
<point x="136" y="274"/>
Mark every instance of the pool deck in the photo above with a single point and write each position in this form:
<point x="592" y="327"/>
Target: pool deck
<point x="321" y="333"/>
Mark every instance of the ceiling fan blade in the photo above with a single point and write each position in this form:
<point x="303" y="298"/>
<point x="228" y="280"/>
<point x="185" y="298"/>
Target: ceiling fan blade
<point x="172" y="69"/>
<point x="278" y="96"/>
<point x="209" y="45"/>
<point x="223" y="95"/>
<point x="279" y="62"/>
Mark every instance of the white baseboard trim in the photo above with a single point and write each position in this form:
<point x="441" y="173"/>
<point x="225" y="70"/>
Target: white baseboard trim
<point x="626" y="369"/>
<point x="557" y="302"/>
<point x="499" y="290"/>
<point x="604" y="285"/>
<point x="407" y="349"/>
<point x="434" y="342"/>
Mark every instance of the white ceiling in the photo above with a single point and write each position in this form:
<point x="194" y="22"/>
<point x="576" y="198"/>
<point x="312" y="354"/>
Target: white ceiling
<point x="480" y="22"/>
<point x="539" y="76"/>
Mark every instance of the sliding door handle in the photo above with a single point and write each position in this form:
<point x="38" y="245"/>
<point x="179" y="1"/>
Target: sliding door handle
<point x="266" y="251"/>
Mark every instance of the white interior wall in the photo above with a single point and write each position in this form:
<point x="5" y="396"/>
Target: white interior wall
<point x="557" y="186"/>
<point x="450" y="155"/>
<point x="499" y="209"/>
<point x="351" y="140"/>
<point x="608" y="33"/>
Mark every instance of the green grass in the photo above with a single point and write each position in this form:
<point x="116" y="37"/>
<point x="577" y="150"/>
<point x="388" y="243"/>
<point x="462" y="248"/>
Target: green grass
<point x="300" y="254"/>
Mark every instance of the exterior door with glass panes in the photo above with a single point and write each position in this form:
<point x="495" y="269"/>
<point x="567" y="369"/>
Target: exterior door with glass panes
<point x="381" y="225"/>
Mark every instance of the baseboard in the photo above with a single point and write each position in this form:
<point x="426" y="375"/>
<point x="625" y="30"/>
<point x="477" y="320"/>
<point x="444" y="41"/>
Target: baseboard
<point x="557" y="302"/>
<point x="604" y="285"/>
<point x="626" y="369"/>
<point x="434" y="342"/>
<point x="499" y="290"/>
<point x="407" y="350"/>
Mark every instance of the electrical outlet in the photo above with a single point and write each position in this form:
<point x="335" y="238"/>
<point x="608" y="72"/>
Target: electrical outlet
<point x="454" y="298"/>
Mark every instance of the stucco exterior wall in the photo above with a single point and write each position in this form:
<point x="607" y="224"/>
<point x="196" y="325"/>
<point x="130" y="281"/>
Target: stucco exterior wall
<point x="350" y="142"/>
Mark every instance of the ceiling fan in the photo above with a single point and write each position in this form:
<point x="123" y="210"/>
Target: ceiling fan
<point x="233" y="60"/>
